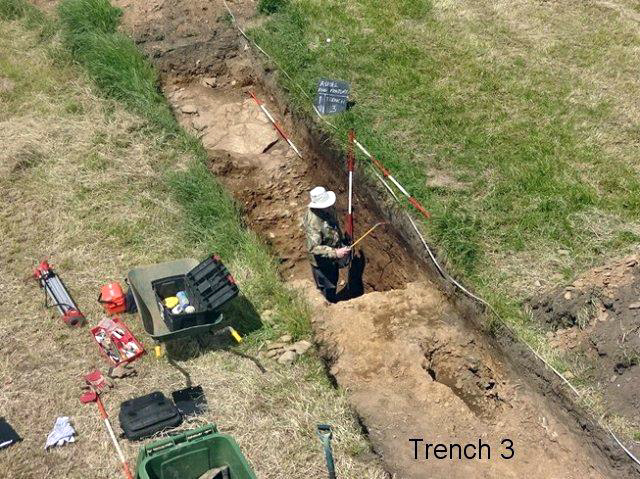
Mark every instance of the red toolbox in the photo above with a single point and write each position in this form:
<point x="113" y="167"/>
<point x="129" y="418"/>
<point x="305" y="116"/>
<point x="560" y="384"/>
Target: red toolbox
<point x="116" y="342"/>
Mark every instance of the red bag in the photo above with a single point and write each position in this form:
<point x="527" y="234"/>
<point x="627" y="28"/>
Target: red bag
<point x="112" y="298"/>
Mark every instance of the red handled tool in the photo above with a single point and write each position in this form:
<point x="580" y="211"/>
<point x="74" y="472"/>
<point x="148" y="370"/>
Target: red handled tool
<point x="57" y="292"/>
<point x="93" y="396"/>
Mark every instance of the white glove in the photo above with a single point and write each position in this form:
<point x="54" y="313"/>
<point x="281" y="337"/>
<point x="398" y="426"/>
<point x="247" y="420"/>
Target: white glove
<point x="61" y="433"/>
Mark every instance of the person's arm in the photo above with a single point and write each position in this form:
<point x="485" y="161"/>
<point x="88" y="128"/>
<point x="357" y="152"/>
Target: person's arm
<point x="315" y="246"/>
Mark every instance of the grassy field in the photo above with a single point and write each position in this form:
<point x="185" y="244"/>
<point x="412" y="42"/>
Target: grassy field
<point x="96" y="176"/>
<point x="515" y="123"/>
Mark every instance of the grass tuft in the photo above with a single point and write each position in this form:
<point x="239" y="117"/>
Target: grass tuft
<point x="88" y="16"/>
<point x="414" y="9"/>
<point x="32" y="17"/>
<point x="112" y="60"/>
<point x="13" y="9"/>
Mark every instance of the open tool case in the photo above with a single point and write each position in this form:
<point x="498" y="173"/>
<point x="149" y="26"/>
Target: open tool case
<point x="116" y="342"/>
<point x="208" y="286"/>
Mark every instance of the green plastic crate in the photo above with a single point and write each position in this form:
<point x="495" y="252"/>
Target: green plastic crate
<point x="191" y="454"/>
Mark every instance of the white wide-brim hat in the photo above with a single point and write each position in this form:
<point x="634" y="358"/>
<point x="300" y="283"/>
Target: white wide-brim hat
<point x="321" y="198"/>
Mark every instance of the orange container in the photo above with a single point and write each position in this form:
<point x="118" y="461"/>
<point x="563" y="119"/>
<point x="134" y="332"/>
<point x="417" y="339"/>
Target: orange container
<point x="112" y="298"/>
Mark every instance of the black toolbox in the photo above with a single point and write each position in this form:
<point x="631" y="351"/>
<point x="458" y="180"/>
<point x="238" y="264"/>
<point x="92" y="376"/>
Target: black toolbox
<point x="208" y="287"/>
<point x="146" y="415"/>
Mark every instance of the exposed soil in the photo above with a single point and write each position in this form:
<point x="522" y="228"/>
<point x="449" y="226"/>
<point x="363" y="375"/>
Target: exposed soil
<point x="411" y="362"/>
<point x="414" y="371"/>
<point x="598" y="316"/>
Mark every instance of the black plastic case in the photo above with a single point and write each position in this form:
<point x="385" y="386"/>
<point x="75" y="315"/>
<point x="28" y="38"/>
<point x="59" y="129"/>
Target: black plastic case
<point x="146" y="415"/>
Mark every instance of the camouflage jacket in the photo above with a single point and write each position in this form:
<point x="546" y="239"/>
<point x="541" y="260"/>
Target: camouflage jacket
<point x="323" y="236"/>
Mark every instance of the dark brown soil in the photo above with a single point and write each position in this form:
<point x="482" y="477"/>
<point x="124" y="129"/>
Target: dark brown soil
<point x="465" y="374"/>
<point x="274" y="204"/>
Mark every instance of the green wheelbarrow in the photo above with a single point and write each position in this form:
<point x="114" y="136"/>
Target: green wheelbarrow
<point x="140" y="281"/>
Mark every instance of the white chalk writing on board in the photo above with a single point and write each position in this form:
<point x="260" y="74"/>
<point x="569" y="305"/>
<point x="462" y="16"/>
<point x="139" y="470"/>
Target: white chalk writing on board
<point x="331" y="96"/>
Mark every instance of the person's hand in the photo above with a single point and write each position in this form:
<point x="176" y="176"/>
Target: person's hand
<point x="342" y="252"/>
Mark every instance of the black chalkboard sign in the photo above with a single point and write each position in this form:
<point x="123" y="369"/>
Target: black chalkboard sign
<point x="331" y="96"/>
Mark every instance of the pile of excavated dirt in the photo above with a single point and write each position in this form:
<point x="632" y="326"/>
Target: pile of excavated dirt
<point x="598" y="316"/>
<point x="411" y="364"/>
<point x="413" y="370"/>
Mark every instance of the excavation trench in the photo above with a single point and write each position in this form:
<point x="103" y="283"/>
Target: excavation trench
<point x="409" y="351"/>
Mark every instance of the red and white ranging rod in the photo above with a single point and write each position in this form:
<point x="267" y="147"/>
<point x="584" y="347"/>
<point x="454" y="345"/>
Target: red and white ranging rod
<point x="415" y="203"/>
<point x="351" y="161"/>
<point x="114" y="440"/>
<point x="275" y="123"/>
<point x="387" y="174"/>
<point x="350" y="165"/>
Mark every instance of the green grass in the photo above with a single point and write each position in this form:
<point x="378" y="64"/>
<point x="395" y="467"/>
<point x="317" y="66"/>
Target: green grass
<point x="210" y="218"/>
<point x="271" y="6"/>
<point x="87" y="17"/>
<point x="524" y="140"/>
<point x="21" y="9"/>
<point x="112" y="60"/>
<point x="13" y="9"/>
<point x="34" y="18"/>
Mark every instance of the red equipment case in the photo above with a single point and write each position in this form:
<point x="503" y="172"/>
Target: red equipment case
<point x="112" y="298"/>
